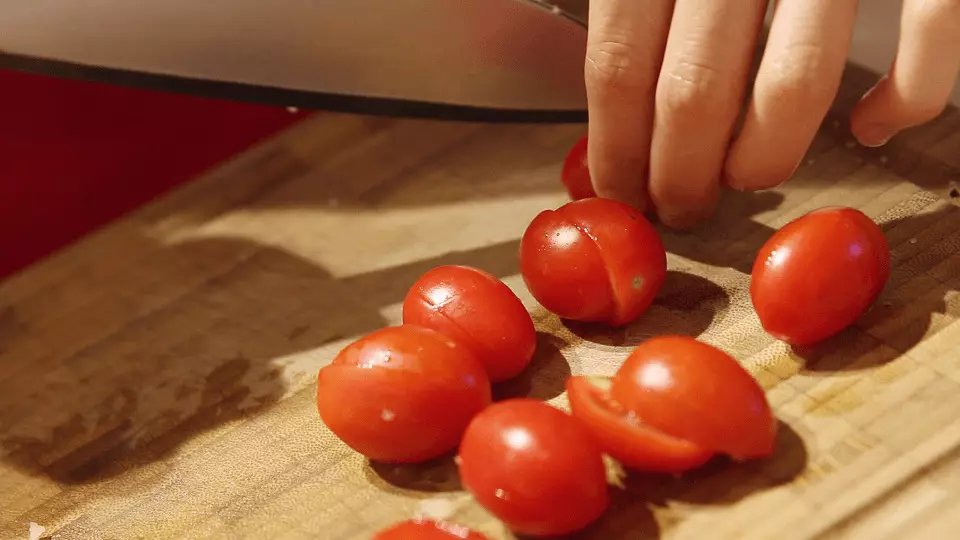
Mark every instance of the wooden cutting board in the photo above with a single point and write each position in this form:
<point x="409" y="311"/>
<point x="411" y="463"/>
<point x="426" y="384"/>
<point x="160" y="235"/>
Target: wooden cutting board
<point x="158" y="376"/>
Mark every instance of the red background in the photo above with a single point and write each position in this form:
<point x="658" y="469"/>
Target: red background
<point x="75" y="155"/>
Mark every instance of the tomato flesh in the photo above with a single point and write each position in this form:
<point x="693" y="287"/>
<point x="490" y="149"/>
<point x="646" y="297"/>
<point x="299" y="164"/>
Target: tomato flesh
<point x="477" y="309"/>
<point x="593" y="260"/>
<point x="698" y="393"/>
<point x="402" y="394"/>
<point x="427" y="529"/>
<point x="817" y="274"/>
<point x="575" y="175"/>
<point x="534" y="467"/>
<point x="624" y="437"/>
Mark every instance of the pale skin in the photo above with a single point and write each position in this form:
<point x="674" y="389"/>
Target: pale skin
<point x="667" y="79"/>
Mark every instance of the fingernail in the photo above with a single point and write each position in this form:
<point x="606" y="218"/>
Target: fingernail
<point x="874" y="135"/>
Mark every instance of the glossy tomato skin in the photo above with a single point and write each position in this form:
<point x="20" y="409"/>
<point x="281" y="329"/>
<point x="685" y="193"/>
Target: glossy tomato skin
<point x="402" y="394"/>
<point x="534" y="467"/>
<point x="698" y="393"/>
<point x="477" y="309"/>
<point x="575" y="174"/>
<point x="624" y="437"/>
<point x="427" y="529"/>
<point x="818" y="274"/>
<point x="593" y="260"/>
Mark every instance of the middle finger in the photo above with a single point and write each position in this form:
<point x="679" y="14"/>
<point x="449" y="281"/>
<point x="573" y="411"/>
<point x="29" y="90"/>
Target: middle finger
<point x="699" y="93"/>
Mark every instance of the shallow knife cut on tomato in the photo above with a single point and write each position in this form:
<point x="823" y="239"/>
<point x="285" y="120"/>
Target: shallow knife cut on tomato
<point x="817" y="274"/>
<point x="696" y="393"/>
<point x="402" y="394"/>
<point x="534" y="467"/>
<point x="593" y="260"/>
<point x="623" y="436"/>
<point x="427" y="529"/>
<point x="475" y="308"/>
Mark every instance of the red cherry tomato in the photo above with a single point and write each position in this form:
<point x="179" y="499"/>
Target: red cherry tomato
<point x="534" y="467"/>
<point x="575" y="174"/>
<point x="818" y="274"/>
<point x="480" y="311"/>
<point x="427" y="529"/>
<point x="698" y="393"/>
<point x="402" y="394"/>
<point x="624" y="437"/>
<point x="594" y="260"/>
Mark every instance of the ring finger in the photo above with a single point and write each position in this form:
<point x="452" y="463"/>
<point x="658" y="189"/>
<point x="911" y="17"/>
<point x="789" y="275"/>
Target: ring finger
<point x="797" y="81"/>
<point x="699" y="94"/>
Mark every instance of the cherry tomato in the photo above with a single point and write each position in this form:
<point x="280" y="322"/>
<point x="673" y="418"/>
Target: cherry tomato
<point x="478" y="310"/>
<point x="534" y="467"/>
<point x="402" y="394"/>
<point x="698" y="393"/>
<point x="624" y="437"/>
<point x="818" y="274"/>
<point x="427" y="529"/>
<point x="594" y="260"/>
<point x="575" y="174"/>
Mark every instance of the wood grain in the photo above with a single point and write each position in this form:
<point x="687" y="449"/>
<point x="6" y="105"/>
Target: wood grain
<point x="158" y="376"/>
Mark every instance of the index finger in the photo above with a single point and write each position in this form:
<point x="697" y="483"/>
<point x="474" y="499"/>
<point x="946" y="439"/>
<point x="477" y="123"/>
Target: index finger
<point x="625" y="43"/>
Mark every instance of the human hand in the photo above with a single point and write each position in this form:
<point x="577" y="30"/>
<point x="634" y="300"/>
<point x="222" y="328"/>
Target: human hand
<point x="666" y="81"/>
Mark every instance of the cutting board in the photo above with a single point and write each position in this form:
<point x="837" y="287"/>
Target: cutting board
<point x="158" y="376"/>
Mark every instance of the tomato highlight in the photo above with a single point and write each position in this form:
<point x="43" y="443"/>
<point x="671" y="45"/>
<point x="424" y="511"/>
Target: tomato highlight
<point x="402" y="394"/>
<point x="818" y="274"/>
<point x="534" y="467"/>
<point x="593" y="260"/>
<point x="695" y="392"/>
<point x="427" y="529"/>
<point x="480" y="311"/>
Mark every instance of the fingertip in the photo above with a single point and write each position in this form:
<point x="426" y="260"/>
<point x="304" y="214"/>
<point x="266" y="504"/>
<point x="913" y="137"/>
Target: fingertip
<point x="872" y="121"/>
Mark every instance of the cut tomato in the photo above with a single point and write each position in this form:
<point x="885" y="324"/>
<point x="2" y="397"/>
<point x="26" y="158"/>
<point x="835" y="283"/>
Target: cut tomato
<point x="624" y="437"/>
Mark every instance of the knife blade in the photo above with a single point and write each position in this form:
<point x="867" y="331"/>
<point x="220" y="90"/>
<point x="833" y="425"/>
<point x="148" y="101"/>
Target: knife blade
<point x="487" y="60"/>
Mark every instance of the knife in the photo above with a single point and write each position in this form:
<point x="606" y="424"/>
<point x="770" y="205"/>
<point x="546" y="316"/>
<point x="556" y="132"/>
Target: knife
<point x="481" y="60"/>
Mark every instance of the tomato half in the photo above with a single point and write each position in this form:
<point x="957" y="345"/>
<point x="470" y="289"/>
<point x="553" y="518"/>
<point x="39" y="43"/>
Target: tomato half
<point x="623" y="436"/>
<point x="402" y="394"/>
<point x="477" y="309"/>
<point x="575" y="175"/>
<point x="817" y="274"/>
<point x="534" y="467"/>
<point x="696" y="392"/>
<point x="594" y="260"/>
<point x="427" y="529"/>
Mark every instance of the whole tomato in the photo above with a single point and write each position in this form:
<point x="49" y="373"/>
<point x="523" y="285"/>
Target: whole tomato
<point x="575" y="175"/>
<point x="427" y="529"/>
<point x="695" y="392"/>
<point x="622" y="435"/>
<point x="817" y="274"/>
<point x="477" y="309"/>
<point x="402" y="394"/>
<point x="593" y="260"/>
<point x="534" y="467"/>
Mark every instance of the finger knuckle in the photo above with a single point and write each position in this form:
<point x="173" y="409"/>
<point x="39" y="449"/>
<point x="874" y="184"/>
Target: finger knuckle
<point x="615" y="66"/>
<point x="695" y="91"/>
<point x="799" y="83"/>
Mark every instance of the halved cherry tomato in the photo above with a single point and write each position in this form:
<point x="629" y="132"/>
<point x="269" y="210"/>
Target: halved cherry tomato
<point x="623" y="436"/>
<point x="477" y="309"/>
<point x="575" y="174"/>
<point x="427" y="529"/>
<point x="402" y="394"/>
<point x="594" y="260"/>
<point x="818" y="274"/>
<point x="698" y="393"/>
<point x="534" y="467"/>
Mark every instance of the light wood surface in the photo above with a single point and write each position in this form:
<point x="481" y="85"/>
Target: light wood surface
<point x="158" y="376"/>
